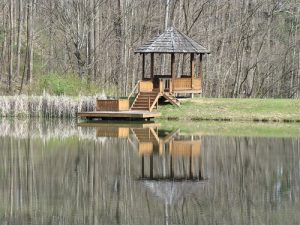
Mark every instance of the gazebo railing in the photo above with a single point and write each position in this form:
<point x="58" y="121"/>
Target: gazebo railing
<point x="167" y="84"/>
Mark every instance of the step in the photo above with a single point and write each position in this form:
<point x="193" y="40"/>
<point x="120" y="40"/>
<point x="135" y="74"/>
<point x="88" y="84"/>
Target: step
<point x="148" y="94"/>
<point x="141" y="105"/>
<point x="140" y="108"/>
<point x="143" y="102"/>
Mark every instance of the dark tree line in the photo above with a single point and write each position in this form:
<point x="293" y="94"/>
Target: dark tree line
<point x="254" y="43"/>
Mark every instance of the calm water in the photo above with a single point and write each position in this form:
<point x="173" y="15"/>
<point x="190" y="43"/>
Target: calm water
<point x="58" y="173"/>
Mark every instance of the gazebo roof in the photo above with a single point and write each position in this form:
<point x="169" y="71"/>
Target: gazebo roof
<point x="172" y="41"/>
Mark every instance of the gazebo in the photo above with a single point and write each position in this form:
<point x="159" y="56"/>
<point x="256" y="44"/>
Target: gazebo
<point x="170" y="42"/>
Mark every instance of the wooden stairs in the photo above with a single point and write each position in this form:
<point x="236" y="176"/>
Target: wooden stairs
<point x="147" y="140"/>
<point x="173" y="100"/>
<point x="145" y="101"/>
<point x="146" y="135"/>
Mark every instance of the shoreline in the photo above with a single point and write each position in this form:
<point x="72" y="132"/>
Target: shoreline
<point x="191" y="110"/>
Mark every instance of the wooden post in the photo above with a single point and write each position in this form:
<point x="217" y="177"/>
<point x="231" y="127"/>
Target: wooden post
<point x="152" y="66"/>
<point x="143" y="171"/>
<point x="191" y="164"/>
<point x="151" y="166"/>
<point x="200" y="168"/>
<point x="143" y="66"/>
<point x="173" y="68"/>
<point x="200" y="74"/>
<point x="192" y="64"/>
<point x="171" y="166"/>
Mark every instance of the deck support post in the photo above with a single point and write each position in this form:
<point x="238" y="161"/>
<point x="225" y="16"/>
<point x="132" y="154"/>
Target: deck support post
<point x="191" y="165"/>
<point x="192" y="64"/>
<point x="171" y="167"/>
<point x="151" y="166"/>
<point x="200" y="73"/>
<point x="143" y="66"/>
<point x="152" y="66"/>
<point x="173" y="66"/>
<point x="143" y="171"/>
<point x="200" y="168"/>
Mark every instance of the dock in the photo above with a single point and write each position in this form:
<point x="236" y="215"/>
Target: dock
<point x="119" y="115"/>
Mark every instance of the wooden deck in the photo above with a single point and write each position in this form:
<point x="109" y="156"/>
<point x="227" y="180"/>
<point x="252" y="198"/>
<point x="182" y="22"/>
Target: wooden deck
<point x="119" y="115"/>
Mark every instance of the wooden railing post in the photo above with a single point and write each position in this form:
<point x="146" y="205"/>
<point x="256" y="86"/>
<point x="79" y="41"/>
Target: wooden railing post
<point x="149" y="103"/>
<point x="161" y="86"/>
<point x="143" y="66"/>
<point x="152" y="66"/>
<point x="200" y="73"/>
<point x="192" y="69"/>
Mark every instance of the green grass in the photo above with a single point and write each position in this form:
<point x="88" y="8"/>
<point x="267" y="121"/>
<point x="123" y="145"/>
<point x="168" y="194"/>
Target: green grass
<point x="66" y="84"/>
<point x="234" y="110"/>
<point x="223" y="128"/>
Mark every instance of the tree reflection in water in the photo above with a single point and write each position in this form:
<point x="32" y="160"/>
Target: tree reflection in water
<point x="56" y="173"/>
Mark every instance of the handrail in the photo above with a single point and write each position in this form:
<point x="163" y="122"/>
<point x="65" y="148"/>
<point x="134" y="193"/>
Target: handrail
<point x="154" y="102"/>
<point x="134" y="89"/>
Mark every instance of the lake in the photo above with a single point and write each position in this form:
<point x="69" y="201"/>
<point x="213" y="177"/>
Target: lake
<point x="55" y="172"/>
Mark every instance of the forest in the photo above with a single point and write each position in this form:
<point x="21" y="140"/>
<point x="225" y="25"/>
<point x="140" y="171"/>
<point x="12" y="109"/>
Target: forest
<point x="254" y="44"/>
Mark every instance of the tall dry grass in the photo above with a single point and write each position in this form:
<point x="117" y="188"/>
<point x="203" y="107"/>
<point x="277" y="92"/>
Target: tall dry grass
<point x="38" y="128"/>
<point x="45" y="106"/>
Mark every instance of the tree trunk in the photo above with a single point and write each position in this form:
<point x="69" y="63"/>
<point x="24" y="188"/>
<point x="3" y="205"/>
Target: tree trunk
<point x="11" y="44"/>
<point x="90" y="55"/>
<point x="19" y="40"/>
<point x="96" y="38"/>
<point x="29" y="40"/>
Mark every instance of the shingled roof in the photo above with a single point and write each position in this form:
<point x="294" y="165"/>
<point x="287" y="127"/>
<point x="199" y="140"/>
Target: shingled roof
<point x="172" y="41"/>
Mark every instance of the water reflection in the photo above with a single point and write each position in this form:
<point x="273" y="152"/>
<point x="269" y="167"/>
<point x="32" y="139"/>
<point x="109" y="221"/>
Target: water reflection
<point x="176" y="158"/>
<point x="164" y="149"/>
<point x="59" y="173"/>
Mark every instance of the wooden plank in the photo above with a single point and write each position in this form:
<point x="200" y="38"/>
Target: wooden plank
<point x="145" y="148"/>
<point x="121" y="114"/>
<point x="184" y="84"/>
<point x="146" y="86"/>
<point x="119" y="132"/>
<point x="112" y="105"/>
<point x="123" y="104"/>
<point x="185" y="148"/>
<point x="103" y="124"/>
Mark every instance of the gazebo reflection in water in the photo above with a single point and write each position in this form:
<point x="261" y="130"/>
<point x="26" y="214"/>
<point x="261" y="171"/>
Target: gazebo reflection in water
<point x="165" y="154"/>
<point x="171" y="164"/>
<point x="170" y="155"/>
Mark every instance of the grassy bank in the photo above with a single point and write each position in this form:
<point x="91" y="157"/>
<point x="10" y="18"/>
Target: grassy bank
<point x="265" y="110"/>
<point x="229" y="109"/>
<point x="241" y="129"/>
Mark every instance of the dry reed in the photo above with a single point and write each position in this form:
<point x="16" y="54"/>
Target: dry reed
<point x="45" y="106"/>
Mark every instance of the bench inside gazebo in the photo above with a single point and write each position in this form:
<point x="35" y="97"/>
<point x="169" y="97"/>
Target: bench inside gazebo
<point x="153" y="86"/>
